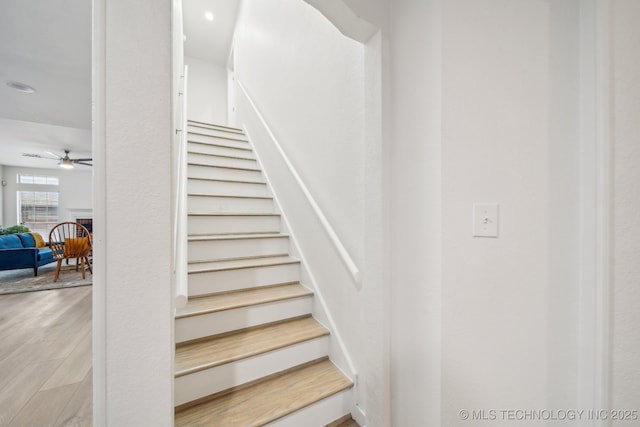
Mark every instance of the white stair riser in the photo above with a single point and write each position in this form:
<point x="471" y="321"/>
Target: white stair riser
<point x="211" y="224"/>
<point x="208" y="172"/>
<point x="197" y="123"/>
<point x="209" y="381"/>
<point x="225" y="188"/>
<point x="198" y="204"/>
<point x="206" y="325"/>
<point x="204" y="139"/>
<point x="219" y="150"/>
<point x="210" y="250"/>
<point x="243" y="278"/>
<point x="229" y="162"/>
<point x="197" y="130"/>
<point x="320" y="413"/>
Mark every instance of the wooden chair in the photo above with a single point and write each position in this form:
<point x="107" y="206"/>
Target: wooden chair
<point x="69" y="240"/>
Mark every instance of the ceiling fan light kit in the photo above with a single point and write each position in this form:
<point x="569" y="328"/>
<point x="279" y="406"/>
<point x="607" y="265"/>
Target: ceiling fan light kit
<point x="66" y="163"/>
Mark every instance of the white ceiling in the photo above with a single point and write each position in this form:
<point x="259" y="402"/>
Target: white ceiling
<point x="209" y="40"/>
<point x="47" y="45"/>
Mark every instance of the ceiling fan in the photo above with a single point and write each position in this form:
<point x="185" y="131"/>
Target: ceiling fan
<point x="64" y="161"/>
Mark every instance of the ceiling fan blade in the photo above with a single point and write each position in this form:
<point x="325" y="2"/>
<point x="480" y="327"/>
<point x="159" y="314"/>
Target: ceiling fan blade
<point x="54" y="154"/>
<point x="83" y="163"/>
<point x="81" y="160"/>
<point x="38" y="156"/>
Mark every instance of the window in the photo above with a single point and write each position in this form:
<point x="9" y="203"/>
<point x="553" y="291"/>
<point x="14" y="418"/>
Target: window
<point x="38" y="210"/>
<point x="38" y="179"/>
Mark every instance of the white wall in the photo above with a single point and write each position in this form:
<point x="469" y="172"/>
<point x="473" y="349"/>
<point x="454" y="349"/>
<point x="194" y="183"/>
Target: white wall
<point x="309" y="87"/>
<point x="132" y="132"/>
<point x="75" y="191"/>
<point x="625" y="338"/>
<point x="484" y="110"/>
<point x="207" y="91"/>
<point x="374" y="308"/>
<point x="504" y="299"/>
<point x="308" y="81"/>
<point x="415" y="208"/>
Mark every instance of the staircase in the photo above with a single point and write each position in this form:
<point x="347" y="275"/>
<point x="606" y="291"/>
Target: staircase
<point x="248" y="351"/>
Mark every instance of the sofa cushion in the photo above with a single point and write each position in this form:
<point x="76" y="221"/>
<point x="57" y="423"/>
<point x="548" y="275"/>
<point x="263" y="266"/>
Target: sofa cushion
<point x="27" y="240"/>
<point x="37" y="237"/>
<point x="45" y="256"/>
<point x="10" y="241"/>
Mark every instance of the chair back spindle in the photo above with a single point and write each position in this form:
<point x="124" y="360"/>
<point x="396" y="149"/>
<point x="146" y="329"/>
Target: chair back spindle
<point x="70" y="240"/>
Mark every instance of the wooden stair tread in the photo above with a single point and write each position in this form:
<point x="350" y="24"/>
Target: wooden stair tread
<point x="224" y="156"/>
<point x="200" y="124"/>
<point x="228" y="138"/>
<point x="256" y="169"/>
<point x="217" y="132"/>
<point x="247" y="148"/>
<point x="345" y="421"/>
<point x="242" y="298"/>
<point x="234" y="264"/>
<point x="208" y="141"/>
<point x="231" y="196"/>
<point x="225" y="214"/>
<point x="206" y="237"/>
<point x="225" y="180"/>
<point x="215" y="351"/>
<point x="269" y="400"/>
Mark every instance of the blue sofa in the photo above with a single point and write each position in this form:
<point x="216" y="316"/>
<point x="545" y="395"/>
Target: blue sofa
<point x="19" y="251"/>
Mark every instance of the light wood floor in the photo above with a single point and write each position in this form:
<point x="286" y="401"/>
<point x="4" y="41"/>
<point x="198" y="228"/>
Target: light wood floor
<point x="45" y="358"/>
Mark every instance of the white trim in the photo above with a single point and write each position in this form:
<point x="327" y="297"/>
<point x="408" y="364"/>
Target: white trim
<point x="352" y="373"/>
<point x="346" y="258"/>
<point x="181" y="289"/>
<point x="595" y="207"/>
<point x="99" y="220"/>
<point x="604" y="201"/>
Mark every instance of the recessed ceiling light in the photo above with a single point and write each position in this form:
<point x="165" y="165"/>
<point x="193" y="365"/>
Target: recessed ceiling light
<point x="20" y="87"/>
<point x="208" y="16"/>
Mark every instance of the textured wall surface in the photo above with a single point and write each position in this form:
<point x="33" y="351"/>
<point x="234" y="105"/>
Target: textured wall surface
<point x="133" y="316"/>
<point x="625" y="339"/>
<point x="484" y="109"/>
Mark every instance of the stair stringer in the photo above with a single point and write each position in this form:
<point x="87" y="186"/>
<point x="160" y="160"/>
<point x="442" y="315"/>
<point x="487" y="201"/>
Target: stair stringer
<point x="338" y="352"/>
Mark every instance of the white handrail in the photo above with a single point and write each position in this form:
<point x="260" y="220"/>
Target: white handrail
<point x="180" y="220"/>
<point x="346" y="258"/>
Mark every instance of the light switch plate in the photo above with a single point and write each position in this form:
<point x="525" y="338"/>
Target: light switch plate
<point x="485" y="220"/>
